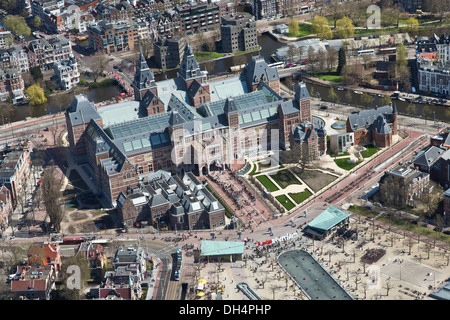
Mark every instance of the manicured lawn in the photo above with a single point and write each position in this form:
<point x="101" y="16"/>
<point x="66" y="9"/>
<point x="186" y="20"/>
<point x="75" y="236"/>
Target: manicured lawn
<point x="300" y="196"/>
<point x="207" y="55"/>
<point x="285" y="178"/>
<point x="304" y="30"/>
<point x="267" y="183"/>
<point x="327" y="76"/>
<point x="285" y="202"/>
<point x="343" y="163"/>
<point x="371" y="150"/>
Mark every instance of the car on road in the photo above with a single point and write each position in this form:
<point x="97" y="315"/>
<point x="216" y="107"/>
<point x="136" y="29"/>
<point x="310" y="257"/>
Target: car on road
<point x="30" y="202"/>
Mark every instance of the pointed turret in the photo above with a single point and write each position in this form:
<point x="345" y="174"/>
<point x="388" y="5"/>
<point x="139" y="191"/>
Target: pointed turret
<point x="189" y="69"/>
<point x="144" y="79"/>
<point x="175" y="119"/>
<point x="230" y="106"/>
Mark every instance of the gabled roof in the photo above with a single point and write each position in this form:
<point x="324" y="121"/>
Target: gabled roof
<point x="301" y="91"/>
<point x="175" y="119"/>
<point x="81" y="110"/>
<point x="258" y="68"/>
<point x="380" y="125"/>
<point x="427" y="157"/>
<point x="365" y="118"/>
<point x="195" y="87"/>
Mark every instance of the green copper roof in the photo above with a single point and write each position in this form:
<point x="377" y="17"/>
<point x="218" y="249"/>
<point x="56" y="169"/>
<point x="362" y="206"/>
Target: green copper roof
<point x="328" y="219"/>
<point x="214" y="248"/>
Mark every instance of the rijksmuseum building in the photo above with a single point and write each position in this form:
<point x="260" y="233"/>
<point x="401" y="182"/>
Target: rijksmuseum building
<point x="189" y="124"/>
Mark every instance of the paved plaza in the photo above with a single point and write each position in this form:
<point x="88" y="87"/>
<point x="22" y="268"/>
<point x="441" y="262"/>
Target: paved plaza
<point x="397" y="275"/>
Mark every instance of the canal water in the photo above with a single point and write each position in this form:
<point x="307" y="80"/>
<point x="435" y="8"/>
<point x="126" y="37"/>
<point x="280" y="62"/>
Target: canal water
<point x="437" y="112"/>
<point x="268" y="47"/>
<point x="60" y="102"/>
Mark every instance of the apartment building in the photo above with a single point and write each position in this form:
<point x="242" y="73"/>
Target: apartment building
<point x="44" y="53"/>
<point x="51" y="14"/>
<point x="410" y="184"/>
<point x="238" y="33"/>
<point x="199" y="17"/>
<point x="274" y="9"/>
<point x="168" y="52"/>
<point x="11" y="85"/>
<point x="66" y="73"/>
<point x="266" y="9"/>
<point x="14" y="171"/>
<point x="433" y="72"/>
<point x="14" y="57"/>
<point x="108" y="37"/>
<point x="6" y="39"/>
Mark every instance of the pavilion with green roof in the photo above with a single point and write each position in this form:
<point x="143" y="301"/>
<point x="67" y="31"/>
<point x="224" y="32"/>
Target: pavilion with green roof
<point x="214" y="251"/>
<point x="330" y="219"/>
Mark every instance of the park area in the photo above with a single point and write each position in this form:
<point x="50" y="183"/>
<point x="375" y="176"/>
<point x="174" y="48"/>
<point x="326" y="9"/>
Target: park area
<point x="290" y="185"/>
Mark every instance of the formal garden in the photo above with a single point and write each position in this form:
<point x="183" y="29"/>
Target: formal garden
<point x="287" y="187"/>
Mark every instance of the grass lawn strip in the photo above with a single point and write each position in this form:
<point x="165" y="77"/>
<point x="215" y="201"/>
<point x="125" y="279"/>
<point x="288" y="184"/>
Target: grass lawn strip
<point x="371" y="150"/>
<point x="285" y="202"/>
<point x="300" y="196"/>
<point x="267" y="183"/>
<point x="343" y="163"/>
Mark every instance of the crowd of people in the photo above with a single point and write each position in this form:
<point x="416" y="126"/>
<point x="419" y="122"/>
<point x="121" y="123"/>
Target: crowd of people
<point x="238" y="192"/>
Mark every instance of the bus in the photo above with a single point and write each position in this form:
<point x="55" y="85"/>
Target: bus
<point x="277" y="65"/>
<point x="387" y="50"/>
<point x="73" y="240"/>
<point x="366" y="52"/>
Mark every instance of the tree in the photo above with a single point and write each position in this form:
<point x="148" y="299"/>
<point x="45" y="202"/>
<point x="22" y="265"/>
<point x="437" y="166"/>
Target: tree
<point x="52" y="198"/>
<point x="426" y="112"/>
<point x="388" y="286"/>
<point x="99" y="65"/>
<point x="9" y="40"/>
<point x="17" y="25"/>
<point x="345" y="27"/>
<point x="409" y="242"/>
<point x="439" y="8"/>
<point x="37" y="23"/>
<point x="291" y="53"/>
<point x="36" y="73"/>
<point x="35" y="94"/>
<point x="334" y="9"/>
<point x="401" y="55"/>
<point x="146" y="45"/>
<point x="342" y="60"/>
<point x="412" y="24"/>
<point x="293" y="26"/>
<point x="321" y="28"/>
<point x="297" y="155"/>
<point x="331" y="58"/>
<point x="321" y="59"/>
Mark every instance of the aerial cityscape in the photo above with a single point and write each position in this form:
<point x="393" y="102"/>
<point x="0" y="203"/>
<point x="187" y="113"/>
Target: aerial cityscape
<point x="225" y="150"/>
